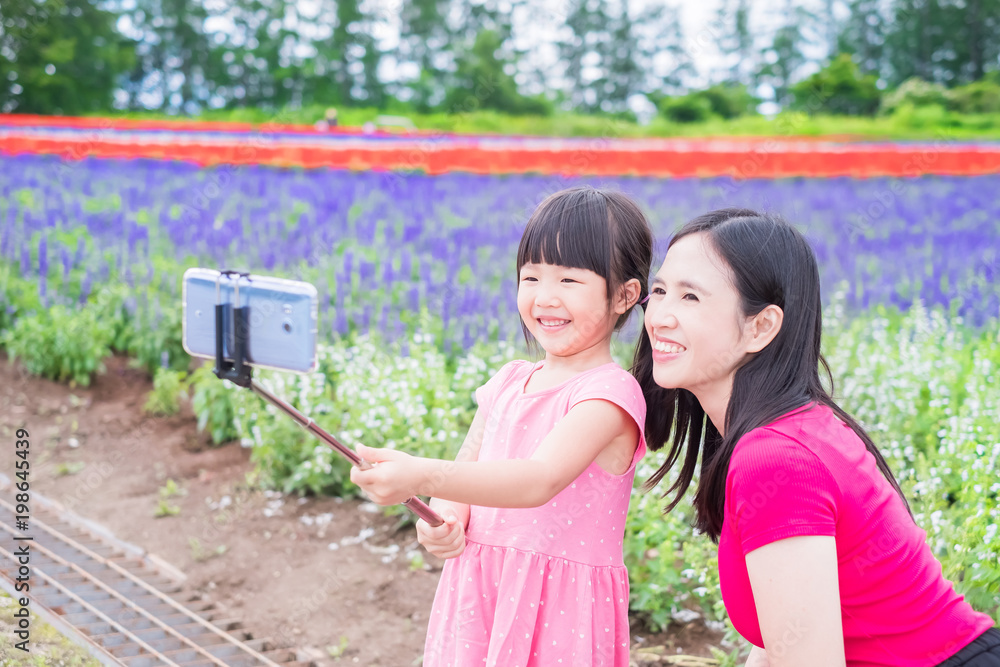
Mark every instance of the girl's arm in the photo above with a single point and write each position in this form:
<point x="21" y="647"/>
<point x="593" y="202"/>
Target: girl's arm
<point x="467" y="453"/>
<point x="448" y="539"/>
<point x="577" y="439"/>
<point x="796" y="589"/>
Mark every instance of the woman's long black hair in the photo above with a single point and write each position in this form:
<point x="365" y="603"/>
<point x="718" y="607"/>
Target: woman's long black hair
<point x="770" y="263"/>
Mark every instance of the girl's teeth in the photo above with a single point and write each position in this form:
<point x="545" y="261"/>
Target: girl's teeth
<point x="669" y="348"/>
<point x="553" y="323"/>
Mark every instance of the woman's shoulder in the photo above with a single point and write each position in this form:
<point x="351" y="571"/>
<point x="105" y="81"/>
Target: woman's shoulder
<point x="800" y="426"/>
<point x="801" y="440"/>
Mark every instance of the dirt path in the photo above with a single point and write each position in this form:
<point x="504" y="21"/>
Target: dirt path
<point x="334" y="578"/>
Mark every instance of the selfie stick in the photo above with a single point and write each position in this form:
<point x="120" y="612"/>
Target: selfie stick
<point x="239" y="372"/>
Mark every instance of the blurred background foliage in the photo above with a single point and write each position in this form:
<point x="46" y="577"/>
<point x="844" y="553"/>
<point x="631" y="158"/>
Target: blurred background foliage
<point x="517" y="57"/>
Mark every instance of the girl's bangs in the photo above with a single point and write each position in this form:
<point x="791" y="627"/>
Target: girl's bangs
<point x="570" y="231"/>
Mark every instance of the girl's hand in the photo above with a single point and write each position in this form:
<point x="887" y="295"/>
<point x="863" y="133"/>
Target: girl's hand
<point x="444" y="541"/>
<point x="391" y="480"/>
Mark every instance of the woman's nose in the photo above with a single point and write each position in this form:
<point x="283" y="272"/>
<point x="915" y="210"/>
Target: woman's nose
<point x="660" y="314"/>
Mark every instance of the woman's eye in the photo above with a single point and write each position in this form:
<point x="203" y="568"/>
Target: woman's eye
<point x="689" y="297"/>
<point x="659" y="291"/>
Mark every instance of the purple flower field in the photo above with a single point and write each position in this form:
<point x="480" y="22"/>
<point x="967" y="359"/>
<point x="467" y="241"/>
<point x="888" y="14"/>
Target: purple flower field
<point x="384" y="246"/>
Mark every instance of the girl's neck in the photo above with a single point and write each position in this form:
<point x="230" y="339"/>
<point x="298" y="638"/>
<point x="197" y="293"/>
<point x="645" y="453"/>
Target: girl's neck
<point x="560" y="367"/>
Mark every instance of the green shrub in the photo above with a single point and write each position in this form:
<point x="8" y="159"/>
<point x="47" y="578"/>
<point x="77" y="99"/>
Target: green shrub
<point x="214" y="403"/>
<point x="157" y="339"/>
<point x="110" y="303"/>
<point x="914" y="92"/>
<point x="686" y="109"/>
<point x="17" y="296"/>
<point x="928" y="117"/>
<point x="838" y="88"/>
<point x="978" y="97"/>
<point x="975" y="98"/>
<point x="724" y="100"/>
<point x="60" y="344"/>
<point x="168" y="390"/>
<point x="729" y="100"/>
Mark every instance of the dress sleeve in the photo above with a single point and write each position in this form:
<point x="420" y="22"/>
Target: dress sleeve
<point x="486" y="394"/>
<point x="616" y="386"/>
<point x="778" y="488"/>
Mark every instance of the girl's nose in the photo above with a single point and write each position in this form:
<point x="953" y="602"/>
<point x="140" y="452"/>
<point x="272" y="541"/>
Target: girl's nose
<point x="546" y="297"/>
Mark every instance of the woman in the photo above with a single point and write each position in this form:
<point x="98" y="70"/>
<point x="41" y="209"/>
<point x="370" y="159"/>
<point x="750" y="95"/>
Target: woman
<point x="820" y="561"/>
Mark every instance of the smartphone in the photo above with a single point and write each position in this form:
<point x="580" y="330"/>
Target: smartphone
<point x="283" y="318"/>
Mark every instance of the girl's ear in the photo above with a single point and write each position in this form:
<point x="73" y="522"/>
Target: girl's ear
<point x="764" y="326"/>
<point x="628" y="295"/>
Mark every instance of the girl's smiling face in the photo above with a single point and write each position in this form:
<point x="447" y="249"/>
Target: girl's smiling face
<point x="565" y="309"/>
<point x="695" y="322"/>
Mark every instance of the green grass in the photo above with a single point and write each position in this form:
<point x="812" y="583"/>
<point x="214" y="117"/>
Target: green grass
<point x="48" y="648"/>
<point x="926" y="124"/>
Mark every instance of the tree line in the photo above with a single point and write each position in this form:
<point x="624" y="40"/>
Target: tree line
<point x="512" y="56"/>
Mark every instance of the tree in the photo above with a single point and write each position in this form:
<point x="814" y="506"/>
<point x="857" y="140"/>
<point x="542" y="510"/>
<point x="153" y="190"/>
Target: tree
<point x="257" y="64"/>
<point x="172" y="51"/>
<point x="661" y="38"/>
<point x="608" y="53"/>
<point x="482" y="82"/>
<point x="425" y="41"/>
<point x="581" y="51"/>
<point x="345" y="69"/>
<point x="783" y="58"/>
<point x="735" y="41"/>
<point x="59" y="56"/>
<point x="863" y="36"/>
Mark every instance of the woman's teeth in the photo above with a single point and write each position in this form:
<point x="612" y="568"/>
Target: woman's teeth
<point x="669" y="348"/>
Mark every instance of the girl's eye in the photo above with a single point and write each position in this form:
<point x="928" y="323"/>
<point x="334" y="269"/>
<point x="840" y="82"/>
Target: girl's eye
<point x="568" y="280"/>
<point x="525" y="278"/>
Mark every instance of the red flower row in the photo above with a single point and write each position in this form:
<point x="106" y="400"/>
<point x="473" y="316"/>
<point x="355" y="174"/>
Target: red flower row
<point x="210" y="144"/>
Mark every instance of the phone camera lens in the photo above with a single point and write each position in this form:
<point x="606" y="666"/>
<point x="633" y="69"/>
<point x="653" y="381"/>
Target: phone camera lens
<point x="287" y="326"/>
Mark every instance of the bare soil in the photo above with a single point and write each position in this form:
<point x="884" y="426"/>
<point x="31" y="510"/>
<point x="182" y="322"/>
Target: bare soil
<point x="335" y="579"/>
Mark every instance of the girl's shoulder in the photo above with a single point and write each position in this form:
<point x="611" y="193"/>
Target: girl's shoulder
<point x="611" y="382"/>
<point x="513" y="370"/>
<point x="610" y="375"/>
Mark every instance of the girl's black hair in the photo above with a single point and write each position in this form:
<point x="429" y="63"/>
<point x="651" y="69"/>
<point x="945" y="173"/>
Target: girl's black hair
<point x="587" y="228"/>
<point x="770" y="262"/>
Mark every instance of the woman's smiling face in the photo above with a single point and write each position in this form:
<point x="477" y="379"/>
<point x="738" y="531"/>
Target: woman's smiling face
<point x="695" y="321"/>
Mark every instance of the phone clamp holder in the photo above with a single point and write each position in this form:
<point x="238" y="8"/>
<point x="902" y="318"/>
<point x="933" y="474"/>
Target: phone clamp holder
<point x="238" y="371"/>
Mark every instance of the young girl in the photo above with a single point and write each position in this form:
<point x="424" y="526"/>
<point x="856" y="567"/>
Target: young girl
<point x="536" y="502"/>
<point x="820" y="561"/>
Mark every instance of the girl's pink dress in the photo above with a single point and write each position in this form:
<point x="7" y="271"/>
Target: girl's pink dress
<point x="543" y="585"/>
